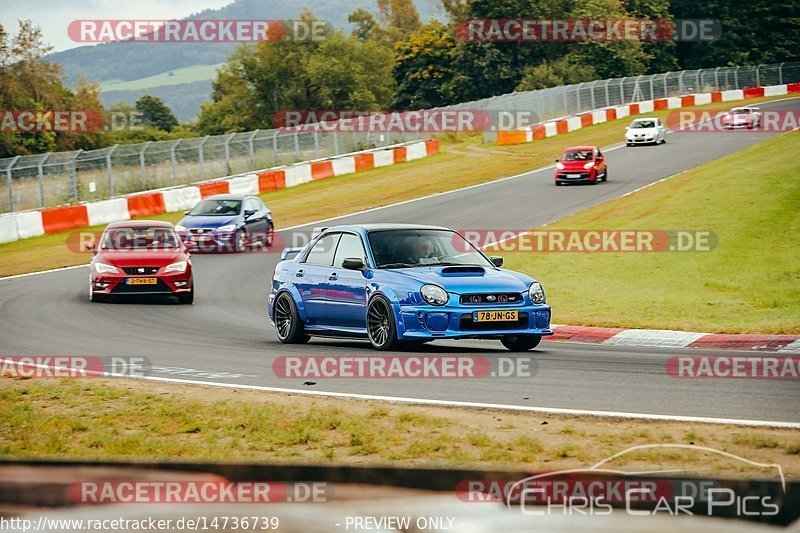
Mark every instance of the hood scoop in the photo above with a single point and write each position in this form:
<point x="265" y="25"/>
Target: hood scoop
<point x="476" y="270"/>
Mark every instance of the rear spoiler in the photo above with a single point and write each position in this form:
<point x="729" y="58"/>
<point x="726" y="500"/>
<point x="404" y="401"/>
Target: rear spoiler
<point x="286" y="252"/>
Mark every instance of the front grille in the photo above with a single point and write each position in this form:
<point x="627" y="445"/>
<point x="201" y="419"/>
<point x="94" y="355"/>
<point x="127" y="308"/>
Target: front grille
<point x="491" y="298"/>
<point x="140" y="271"/>
<point x="580" y="176"/>
<point x="200" y="231"/>
<point x="123" y="288"/>
<point x="467" y="324"/>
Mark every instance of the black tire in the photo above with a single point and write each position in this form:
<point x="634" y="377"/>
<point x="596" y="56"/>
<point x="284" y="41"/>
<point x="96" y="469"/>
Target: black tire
<point x="521" y="343"/>
<point x="270" y="236"/>
<point x="240" y="242"/>
<point x="187" y="298"/>
<point x="558" y="184"/>
<point x="288" y="325"/>
<point x="605" y="176"/>
<point x="381" y="328"/>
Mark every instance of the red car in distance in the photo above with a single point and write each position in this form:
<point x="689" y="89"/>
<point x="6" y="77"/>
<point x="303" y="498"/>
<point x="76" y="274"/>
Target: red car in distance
<point x="138" y="258"/>
<point x="581" y="164"/>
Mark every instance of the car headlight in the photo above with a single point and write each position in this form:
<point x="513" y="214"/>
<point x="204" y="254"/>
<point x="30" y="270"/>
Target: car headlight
<point x="536" y="292"/>
<point x="180" y="266"/>
<point x="560" y="166"/>
<point x="433" y="294"/>
<point x="228" y="228"/>
<point x="589" y="165"/>
<point x="178" y="227"/>
<point x="103" y="268"/>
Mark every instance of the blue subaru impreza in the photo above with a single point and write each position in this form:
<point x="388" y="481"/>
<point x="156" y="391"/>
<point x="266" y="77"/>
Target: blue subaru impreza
<point x="403" y="283"/>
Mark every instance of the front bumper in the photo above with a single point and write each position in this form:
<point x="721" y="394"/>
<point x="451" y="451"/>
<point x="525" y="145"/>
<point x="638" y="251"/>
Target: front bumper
<point x="583" y="176"/>
<point x="209" y="242"/>
<point x="115" y="284"/>
<point x="640" y="140"/>
<point x="457" y="322"/>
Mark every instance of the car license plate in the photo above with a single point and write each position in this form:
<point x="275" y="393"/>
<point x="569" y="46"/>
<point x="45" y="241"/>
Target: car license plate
<point x="573" y="175"/>
<point x="141" y="281"/>
<point x="495" y="316"/>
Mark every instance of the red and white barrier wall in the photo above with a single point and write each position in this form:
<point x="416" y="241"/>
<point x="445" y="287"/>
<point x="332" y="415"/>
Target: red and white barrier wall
<point x="590" y="118"/>
<point x="26" y="224"/>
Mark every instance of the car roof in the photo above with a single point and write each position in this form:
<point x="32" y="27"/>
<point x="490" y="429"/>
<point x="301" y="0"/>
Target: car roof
<point x="229" y="197"/>
<point x="645" y="118"/>
<point x="384" y="227"/>
<point x="140" y="224"/>
<point x="581" y="148"/>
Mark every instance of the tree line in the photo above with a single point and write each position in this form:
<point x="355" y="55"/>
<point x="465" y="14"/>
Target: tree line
<point x="394" y="60"/>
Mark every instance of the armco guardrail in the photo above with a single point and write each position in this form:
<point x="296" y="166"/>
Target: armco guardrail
<point x="26" y="224"/>
<point x="47" y="180"/>
<point x="590" y="118"/>
<point x="548" y="104"/>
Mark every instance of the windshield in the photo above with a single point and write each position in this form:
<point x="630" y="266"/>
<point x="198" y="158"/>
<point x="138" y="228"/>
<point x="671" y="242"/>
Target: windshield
<point x="139" y="238"/>
<point x="577" y="155"/>
<point x="741" y="111"/>
<point x="217" y="208"/>
<point x="423" y="247"/>
<point x="643" y="124"/>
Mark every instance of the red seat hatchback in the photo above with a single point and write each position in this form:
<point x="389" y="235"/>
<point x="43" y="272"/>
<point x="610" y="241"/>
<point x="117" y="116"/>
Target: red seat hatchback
<point x="581" y="164"/>
<point x="140" y="258"/>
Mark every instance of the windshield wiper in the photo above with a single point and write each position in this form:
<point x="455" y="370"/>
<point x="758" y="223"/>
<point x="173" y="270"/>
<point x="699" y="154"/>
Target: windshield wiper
<point x="397" y="265"/>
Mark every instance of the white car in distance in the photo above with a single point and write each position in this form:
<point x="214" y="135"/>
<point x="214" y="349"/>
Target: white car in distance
<point x="647" y="130"/>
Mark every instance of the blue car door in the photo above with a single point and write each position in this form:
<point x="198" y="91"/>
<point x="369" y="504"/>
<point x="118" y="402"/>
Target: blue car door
<point x="348" y="292"/>
<point x="311" y="278"/>
<point x="255" y="219"/>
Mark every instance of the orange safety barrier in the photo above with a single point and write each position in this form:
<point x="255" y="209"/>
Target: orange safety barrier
<point x="64" y="218"/>
<point x="505" y="138"/>
<point x="539" y="132"/>
<point x="687" y="101"/>
<point x="716" y="96"/>
<point x="793" y="88"/>
<point x="364" y="162"/>
<point x="660" y="104"/>
<point x="755" y="92"/>
<point x="633" y="109"/>
<point x="399" y="155"/>
<point x="587" y="120"/>
<point x="611" y="114"/>
<point x="271" y="180"/>
<point x="432" y="147"/>
<point x="321" y="170"/>
<point x="141" y="205"/>
<point x="562" y="127"/>
<point x="215" y="187"/>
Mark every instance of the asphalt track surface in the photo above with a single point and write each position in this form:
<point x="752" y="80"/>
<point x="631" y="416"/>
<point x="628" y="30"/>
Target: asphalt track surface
<point x="225" y="336"/>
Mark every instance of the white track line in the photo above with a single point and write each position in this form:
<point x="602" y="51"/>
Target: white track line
<point x="480" y="405"/>
<point x="441" y="403"/>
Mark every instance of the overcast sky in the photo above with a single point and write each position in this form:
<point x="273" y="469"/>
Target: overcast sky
<point x="53" y="16"/>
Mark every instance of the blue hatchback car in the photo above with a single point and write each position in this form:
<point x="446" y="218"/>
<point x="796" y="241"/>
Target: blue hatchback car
<point x="226" y="222"/>
<point x="403" y="283"/>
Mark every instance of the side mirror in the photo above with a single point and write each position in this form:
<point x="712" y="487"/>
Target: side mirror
<point x="556" y="160"/>
<point x="353" y="263"/>
<point x="289" y="251"/>
<point x="496" y="260"/>
<point x="249" y="212"/>
<point x="627" y="127"/>
<point x="90" y="247"/>
<point x="187" y="212"/>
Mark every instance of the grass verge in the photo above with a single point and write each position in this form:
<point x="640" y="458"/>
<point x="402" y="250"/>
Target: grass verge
<point x="116" y="419"/>
<point x="749" y="283"/>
